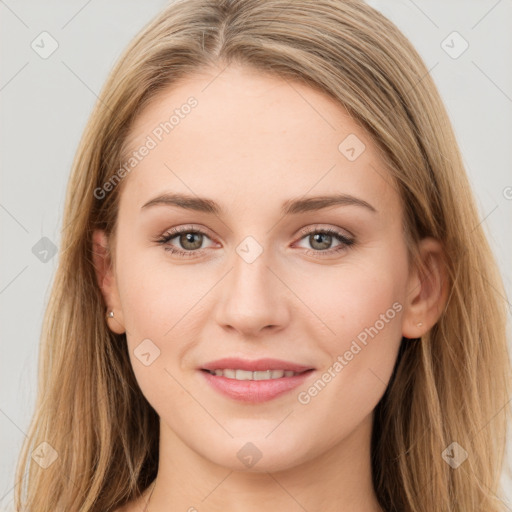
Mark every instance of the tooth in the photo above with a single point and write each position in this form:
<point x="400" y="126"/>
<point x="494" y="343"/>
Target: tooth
<point x="263" y="375"/>
<point x="257" y="375"/>
<point x="243" y="375"/>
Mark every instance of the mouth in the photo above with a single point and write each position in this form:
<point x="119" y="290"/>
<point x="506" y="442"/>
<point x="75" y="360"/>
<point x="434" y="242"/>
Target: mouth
<point x="254" y="381"/>
<point x="238" y="374"/>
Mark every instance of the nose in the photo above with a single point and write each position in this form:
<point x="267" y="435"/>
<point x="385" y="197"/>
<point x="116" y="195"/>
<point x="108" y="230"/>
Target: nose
<point x="252" y="299"/>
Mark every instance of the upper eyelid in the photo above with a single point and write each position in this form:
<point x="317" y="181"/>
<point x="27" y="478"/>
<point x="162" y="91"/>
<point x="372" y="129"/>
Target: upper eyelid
<point x="317" y="227"/>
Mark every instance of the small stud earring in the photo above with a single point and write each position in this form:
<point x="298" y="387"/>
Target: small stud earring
<point x="110" y="314"/>
<point x="419" y="325"/>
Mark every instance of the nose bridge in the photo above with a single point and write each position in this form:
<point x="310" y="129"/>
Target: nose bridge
<point x="252" y="298"/>
<point x="250" y="271"/>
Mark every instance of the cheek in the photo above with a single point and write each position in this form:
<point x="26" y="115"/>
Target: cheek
<point x="155" y="294"/>
<point x="352" y="298"/>
<point x="156" y="300"/>
<point x="164" y="312"/>
<point x="362" y="306"/>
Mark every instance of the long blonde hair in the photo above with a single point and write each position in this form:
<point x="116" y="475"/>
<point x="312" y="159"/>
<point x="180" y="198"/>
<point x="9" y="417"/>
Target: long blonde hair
<point x="453" y="385"/>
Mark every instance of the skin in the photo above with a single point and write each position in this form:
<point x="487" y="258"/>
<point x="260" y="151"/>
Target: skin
<point x="252" y="143"/>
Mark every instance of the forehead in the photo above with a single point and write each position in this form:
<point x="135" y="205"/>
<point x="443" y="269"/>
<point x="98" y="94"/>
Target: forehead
<point x="240" y="136"/>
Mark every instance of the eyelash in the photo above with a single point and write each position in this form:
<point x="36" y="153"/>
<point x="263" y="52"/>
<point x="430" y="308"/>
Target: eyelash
<point x="173" y="233"/>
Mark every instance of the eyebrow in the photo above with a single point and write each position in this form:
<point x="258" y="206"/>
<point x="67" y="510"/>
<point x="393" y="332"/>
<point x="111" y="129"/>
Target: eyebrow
<point x="289" y="207"/>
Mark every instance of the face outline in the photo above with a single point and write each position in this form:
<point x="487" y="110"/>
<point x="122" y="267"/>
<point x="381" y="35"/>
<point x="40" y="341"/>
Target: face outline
<point x="286" y="304"/>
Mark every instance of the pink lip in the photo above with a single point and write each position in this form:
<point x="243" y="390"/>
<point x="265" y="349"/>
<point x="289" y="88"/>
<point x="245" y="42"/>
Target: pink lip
<point x="234" y="363"/>
<point x="255" y="391"/>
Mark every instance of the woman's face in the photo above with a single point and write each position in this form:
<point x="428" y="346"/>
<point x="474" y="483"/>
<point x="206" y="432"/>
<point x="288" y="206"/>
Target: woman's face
<point x="255" y="273"/>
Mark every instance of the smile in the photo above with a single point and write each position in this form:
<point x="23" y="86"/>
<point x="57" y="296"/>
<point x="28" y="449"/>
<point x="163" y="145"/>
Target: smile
<point x="258" y="375"/>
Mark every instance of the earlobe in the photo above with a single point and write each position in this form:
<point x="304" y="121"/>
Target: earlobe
<point x="427" y="291"/>
<point x="106" y="279"/>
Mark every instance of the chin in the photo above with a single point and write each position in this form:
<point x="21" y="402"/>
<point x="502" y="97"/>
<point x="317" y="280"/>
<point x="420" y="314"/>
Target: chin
<point x="257" y="456"/>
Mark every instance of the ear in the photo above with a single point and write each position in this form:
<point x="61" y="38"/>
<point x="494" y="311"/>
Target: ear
<point x="106" y="278"/>
<point x="427" y="290"/>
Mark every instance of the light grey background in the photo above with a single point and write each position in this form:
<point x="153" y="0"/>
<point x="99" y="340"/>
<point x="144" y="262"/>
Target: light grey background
<point x="46" y="103"/>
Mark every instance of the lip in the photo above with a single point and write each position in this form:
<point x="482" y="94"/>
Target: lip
<point x="254" y="366"/>
<point x="254" y="391"/>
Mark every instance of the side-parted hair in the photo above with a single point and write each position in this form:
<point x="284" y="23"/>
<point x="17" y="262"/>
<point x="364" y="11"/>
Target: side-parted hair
<point x="452" y="385"/>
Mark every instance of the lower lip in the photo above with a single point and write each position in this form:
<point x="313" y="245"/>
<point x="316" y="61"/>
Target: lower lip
<point x="255" y="391"/>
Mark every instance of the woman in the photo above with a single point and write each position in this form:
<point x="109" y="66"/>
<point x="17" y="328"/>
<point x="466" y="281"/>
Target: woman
<point x="274" y="289"/>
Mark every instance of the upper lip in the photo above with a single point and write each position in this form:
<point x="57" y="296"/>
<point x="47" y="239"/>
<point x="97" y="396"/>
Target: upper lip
<point x="254" y="366"/>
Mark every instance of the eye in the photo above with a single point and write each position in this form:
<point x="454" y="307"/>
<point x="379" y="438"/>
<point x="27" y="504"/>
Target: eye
<point x="322" y="239"/>
<point x="191" y="239"/>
